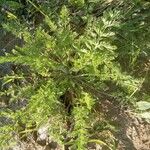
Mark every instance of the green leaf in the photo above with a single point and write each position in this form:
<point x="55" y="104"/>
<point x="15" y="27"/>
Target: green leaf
<point x="64" y="14"/>
<point x="13" y="5"/>
<point x="11" y="15"/>
<point x="79" y="3"/>
<point x="145" y="115"/>
<point x="143" y="105"/>
<point x="50" y="23"/>
<point x="7" y="59"/>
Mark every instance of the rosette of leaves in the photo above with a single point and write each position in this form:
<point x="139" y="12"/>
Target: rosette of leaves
<point x="62" y="74"/>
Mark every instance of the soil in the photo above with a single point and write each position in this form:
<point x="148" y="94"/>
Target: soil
<point x="133" y="132"/>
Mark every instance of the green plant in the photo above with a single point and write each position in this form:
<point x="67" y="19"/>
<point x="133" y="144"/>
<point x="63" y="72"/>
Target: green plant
<point x="62" y="75"/>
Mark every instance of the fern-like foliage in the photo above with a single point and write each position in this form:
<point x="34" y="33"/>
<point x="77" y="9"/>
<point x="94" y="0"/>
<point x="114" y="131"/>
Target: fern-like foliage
<point x="57" y="62"/>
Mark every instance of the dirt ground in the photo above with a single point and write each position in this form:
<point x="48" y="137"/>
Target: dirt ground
<point x="133" y="132"/>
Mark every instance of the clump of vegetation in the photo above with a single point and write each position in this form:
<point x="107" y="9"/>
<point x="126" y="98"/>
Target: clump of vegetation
<point x="61" y="73"/>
